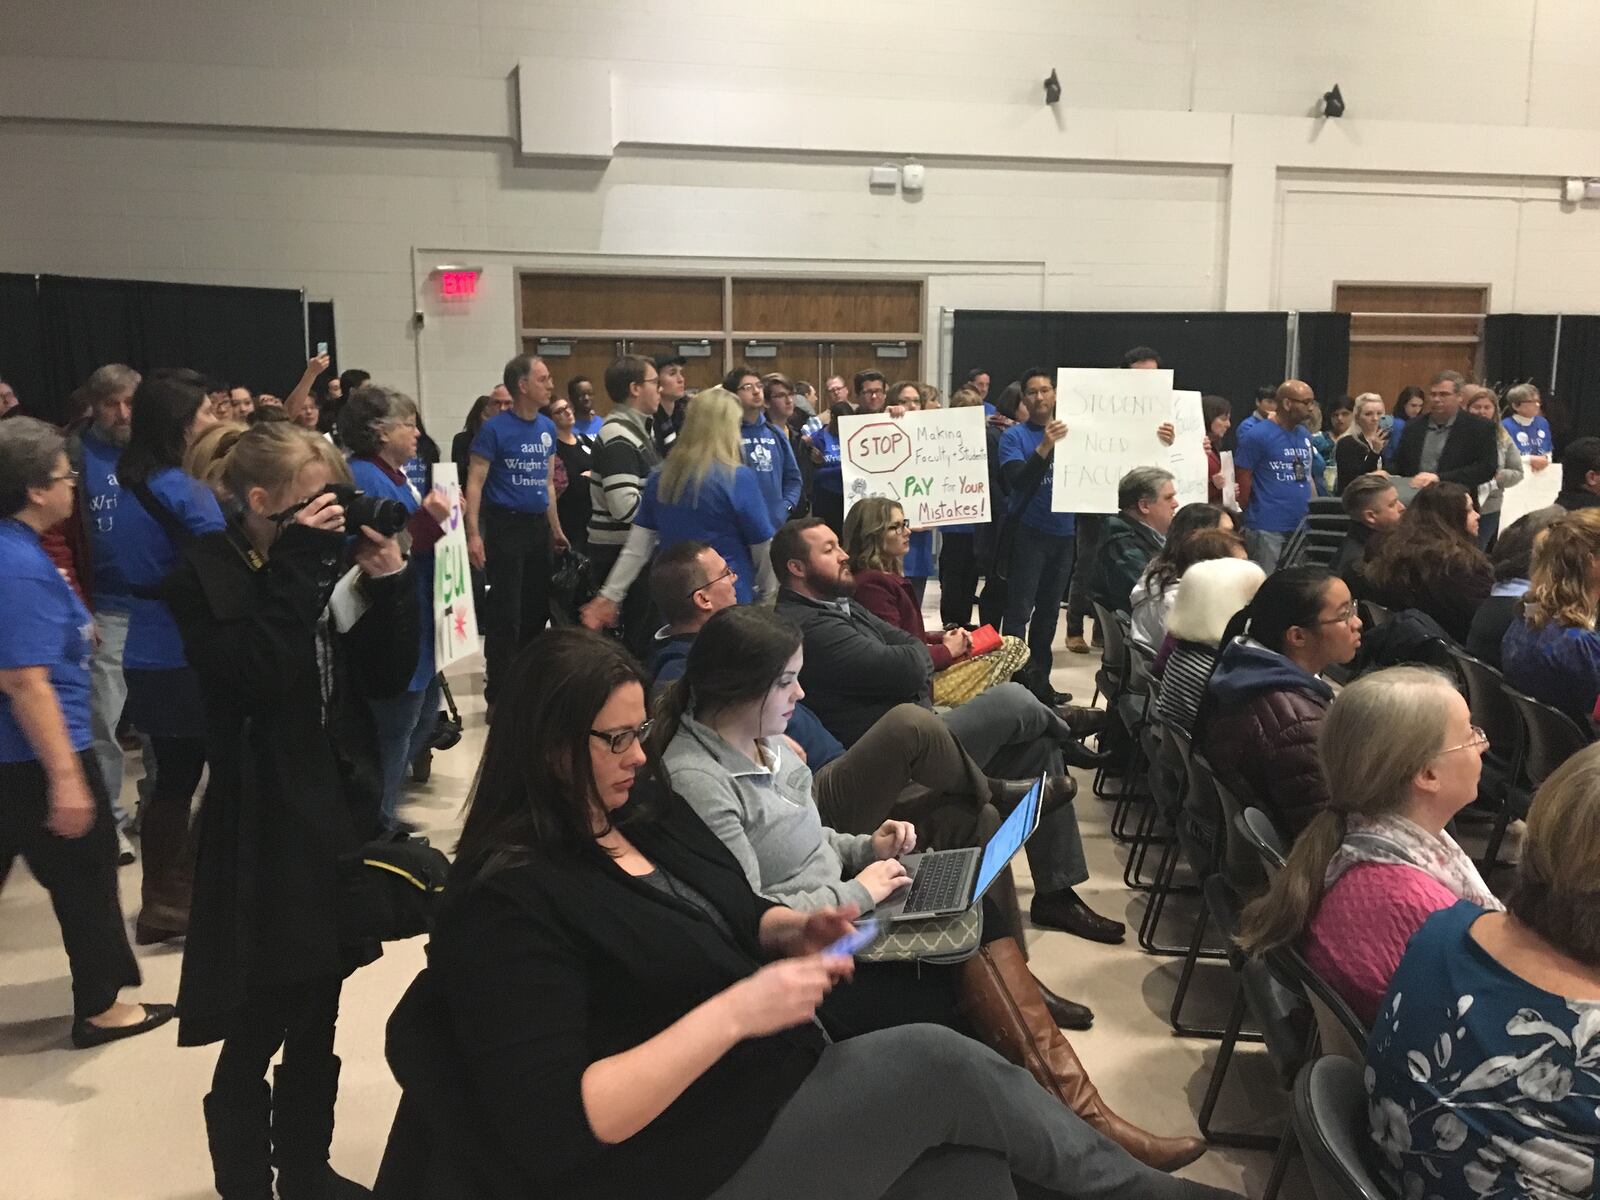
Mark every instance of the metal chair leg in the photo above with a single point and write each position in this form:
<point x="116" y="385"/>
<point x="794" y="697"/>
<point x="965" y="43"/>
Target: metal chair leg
<point x="1194" y="955"/>
<point x="1230" y="1039"/>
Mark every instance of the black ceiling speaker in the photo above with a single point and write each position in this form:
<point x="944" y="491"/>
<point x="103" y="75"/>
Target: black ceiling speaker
<point x="1333" y="103"/>
<point x="1052" y="88"/>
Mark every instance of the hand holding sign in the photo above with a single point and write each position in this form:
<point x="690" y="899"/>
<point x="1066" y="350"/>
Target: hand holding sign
<point x="1115" y="420"/>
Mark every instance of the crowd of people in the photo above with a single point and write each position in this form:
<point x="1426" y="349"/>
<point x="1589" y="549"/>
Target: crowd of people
<point x="739" y="724"/>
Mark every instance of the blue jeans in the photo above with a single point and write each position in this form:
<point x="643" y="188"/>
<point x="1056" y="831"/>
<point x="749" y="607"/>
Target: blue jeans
<point x="405" y="725"/>
<point x="1041" y="569"/>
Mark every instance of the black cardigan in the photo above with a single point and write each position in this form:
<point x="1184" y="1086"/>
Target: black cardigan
<point x="551" y="965"/>
<point x="288" y="795"/>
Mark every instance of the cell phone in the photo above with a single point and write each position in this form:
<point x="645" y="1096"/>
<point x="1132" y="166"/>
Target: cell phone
<point x="1386" y="422"/>
<point x="322" y="348"/>
<point x="859" y="938"/>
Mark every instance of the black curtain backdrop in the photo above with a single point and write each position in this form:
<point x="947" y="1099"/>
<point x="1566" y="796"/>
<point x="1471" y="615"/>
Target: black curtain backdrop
<point x="1324" y="353"/>
<point x="1575" y="402"/>
<point x="21" y="346"/>
<point x="1228" y="354"/>
<point x="1519" y="348"/>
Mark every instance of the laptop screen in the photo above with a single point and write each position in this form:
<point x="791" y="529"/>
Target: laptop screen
<point x="1008" y="839"/>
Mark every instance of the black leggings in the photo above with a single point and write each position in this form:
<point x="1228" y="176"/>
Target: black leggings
<point x="298" y="1018"/>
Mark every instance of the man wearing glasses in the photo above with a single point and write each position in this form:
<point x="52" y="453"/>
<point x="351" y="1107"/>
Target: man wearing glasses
<point x="1447" y="444"/>
<point x="872" y="392"/>
<point x="766" y="447"/>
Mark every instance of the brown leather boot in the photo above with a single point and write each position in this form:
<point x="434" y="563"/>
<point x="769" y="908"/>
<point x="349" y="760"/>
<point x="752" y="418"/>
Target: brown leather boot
<point x="1002" y="1002"/>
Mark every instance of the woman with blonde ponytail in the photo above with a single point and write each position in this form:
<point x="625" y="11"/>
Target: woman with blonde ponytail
<point x="1401" y="758"/>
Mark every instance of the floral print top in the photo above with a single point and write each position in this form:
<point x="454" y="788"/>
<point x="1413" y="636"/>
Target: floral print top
<point x="1480" y="1084"/>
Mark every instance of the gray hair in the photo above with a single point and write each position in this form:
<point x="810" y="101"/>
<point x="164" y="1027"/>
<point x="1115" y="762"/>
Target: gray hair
<point x="1521" y="394"/>
<point x="1141" y="483"/>
<point x="110" y="380"/>
<point x="368" y="411"/>
<point x="29" y="449"/>
<point x="1451" y="377"/>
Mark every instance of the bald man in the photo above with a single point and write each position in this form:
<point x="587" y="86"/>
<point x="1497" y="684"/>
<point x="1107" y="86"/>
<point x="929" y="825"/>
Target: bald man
<point x="1272" y="466"/>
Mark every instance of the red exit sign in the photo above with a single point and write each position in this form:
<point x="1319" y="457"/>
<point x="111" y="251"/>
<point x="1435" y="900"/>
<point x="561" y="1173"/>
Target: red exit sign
<point x="458" y="284"/>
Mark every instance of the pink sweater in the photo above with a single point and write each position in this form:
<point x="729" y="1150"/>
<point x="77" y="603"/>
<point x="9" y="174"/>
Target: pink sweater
<point x="1362" y="926"/>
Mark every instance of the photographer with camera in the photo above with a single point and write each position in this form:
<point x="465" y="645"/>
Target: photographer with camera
<point x="288" y="663"/>
<point x="380" y="428"/>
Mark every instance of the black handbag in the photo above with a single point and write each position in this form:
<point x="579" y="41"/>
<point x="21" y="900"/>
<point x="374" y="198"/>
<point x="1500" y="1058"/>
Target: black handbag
<point x="572" y="586"/>
<point x="389" y="890"/>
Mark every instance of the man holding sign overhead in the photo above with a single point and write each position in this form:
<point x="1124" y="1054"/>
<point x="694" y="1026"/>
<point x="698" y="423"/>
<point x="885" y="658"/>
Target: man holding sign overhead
<point x="1037" y="544"/>
<point x="1272" y="469"/>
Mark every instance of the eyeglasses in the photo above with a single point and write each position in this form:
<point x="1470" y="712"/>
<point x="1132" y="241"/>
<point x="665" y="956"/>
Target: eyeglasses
<point x="620" y="741"/>
<point x="72" y="475"/>
<point x="1342" y="617"/>
<point x="710" y="583"/>
<point x="874" y="389"/>
<point x="901" y="526"/>
<point x="1479" y="738"/>
<point x="750" y="385"/>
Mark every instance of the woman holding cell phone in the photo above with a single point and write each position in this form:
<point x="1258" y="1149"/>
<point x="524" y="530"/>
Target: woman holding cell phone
<point x="602" y="962"/>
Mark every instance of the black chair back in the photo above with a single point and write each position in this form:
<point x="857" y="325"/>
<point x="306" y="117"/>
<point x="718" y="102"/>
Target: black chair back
<point x="1550" y="736"/>
<point x="1489" y="701"/>
<point x="1372" y="613"/>
<point x="1339" y="1030"/>
<point x="1258" y="829"/>
<point x="1240" y="862"/>
<point x="1114" y="655"/>
<point x="1330" y="1116"/>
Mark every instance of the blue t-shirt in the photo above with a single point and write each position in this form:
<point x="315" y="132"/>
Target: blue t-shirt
<point x="589" y="428"/>
<point x="1280" y="465"/>
<point x="148" y="557"/>
<point x="101" y="497"/>
<point x="729" y="514"/>
<point x="519" y="460"/>
<point x="1530" y="439"/>
<point x="417" y="471"/>
<point x="767" y="453"/>
<point x="1393" y="444"/>
<point x="828" y="476"/>
<point x="919" y="559"/>
<point x="370" y="479"/>
<point x="989" y="410"/>
<point x="1559" y="664"/>
<point x="1016" y="443"/>
<point x="45" y="625"/>
<point x="1480" y="1084"/>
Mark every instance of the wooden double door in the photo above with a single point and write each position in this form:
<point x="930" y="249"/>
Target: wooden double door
<point x="1404" y="334"/>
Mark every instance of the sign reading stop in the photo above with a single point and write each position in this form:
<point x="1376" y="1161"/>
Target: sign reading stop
<point x="878" y="447"/>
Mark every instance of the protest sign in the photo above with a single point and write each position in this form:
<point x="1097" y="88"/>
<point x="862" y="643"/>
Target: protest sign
<point x="935" y="464"/>
<point x="1537" y="490"/>
<point x="455" y="624"/>
<point x="1111" y="417"/>
<point x="1186" y="457"/>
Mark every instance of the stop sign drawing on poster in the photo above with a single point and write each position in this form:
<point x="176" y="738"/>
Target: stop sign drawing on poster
<point x="934" y="464"/>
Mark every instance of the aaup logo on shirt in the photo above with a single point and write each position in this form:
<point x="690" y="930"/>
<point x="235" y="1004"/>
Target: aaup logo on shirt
<point x="761" y="457"/>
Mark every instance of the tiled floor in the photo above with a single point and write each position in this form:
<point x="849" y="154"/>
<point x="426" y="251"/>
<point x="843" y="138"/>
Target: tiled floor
<point x="123" y="1122"/>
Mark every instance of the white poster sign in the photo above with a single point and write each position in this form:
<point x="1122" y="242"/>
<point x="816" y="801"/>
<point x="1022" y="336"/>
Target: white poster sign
<point x="934" y="464"/>
<point x="1186" y="457"/>
<point x="1537" y="490"/>
<point x="1111" y="417"/>
<point x="455" y="624"/>
<point x="1230" y="485"/>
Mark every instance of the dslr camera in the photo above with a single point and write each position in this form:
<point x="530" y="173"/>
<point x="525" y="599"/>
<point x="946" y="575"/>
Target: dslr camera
<point x="361" y="511"/>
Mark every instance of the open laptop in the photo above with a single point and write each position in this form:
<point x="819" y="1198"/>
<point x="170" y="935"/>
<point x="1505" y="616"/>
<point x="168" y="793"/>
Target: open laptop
<point x="951" y="881"/>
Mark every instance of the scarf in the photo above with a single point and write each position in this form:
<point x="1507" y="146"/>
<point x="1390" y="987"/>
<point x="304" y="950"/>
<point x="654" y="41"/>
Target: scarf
<point x="1396" y="841"/>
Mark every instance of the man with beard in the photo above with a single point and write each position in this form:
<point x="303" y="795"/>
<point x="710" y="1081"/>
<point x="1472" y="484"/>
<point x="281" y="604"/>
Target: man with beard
<point x="857" y="667"/>
<point x="94" y="454"/>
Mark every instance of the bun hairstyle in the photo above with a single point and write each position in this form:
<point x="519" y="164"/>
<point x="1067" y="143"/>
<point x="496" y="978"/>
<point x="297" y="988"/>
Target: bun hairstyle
<point x="209" y="453"/>
<point x="1286" y="599"/>
<point x="271" y="456"/>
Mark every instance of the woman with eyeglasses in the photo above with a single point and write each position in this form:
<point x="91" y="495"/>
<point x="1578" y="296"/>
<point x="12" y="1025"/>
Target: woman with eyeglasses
<point x="602" y="962"/>
<point x="163" y="509"/>
<point x="379" y="427"/>
<point x="877" y="536"/>
<point x="55" y="812"/>
<point x="1432" y="561"/>
<point x="1551" y="650"/>
<point x="575" y="455"/>
<point x="1402" y="757"/>
<point x="1266" y="701"/>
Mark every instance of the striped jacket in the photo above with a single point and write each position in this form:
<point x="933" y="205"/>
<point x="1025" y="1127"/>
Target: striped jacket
<point x="622" y="461"/>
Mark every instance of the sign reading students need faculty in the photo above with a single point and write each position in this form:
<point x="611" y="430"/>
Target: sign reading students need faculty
<point x="1111" y="416"/>
<point x="934" y="464"/>
<point x="455" y="624"/>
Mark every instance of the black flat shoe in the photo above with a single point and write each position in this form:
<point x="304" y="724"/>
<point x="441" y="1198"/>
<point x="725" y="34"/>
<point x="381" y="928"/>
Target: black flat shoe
<point x="1064" y="911"/>
<point x="1067" y="1014"/>
<point x="86" y="1035"/>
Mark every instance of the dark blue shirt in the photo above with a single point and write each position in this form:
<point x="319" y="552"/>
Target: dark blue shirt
<point x="767" y="453"/>
<point x="919" y="559"/>
<point x="728" y="513"/>
<point x="1280" y="464"/>
<point x="1533" y="438"/>
<point x="519" y="460"/>
<point x="149" y="555"/>
<point x="1559" y="664"/>
<point x="589" y="428"/>
<point x="370" y="479"/>
<point x="1016" y="444"/>
<point x="45" y="625"/>
<point x="828" y="476"/>
<point x="101" y="497"/>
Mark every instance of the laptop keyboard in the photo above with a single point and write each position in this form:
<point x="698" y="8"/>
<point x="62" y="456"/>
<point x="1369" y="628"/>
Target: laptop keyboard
<point x="938" y="882"/>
